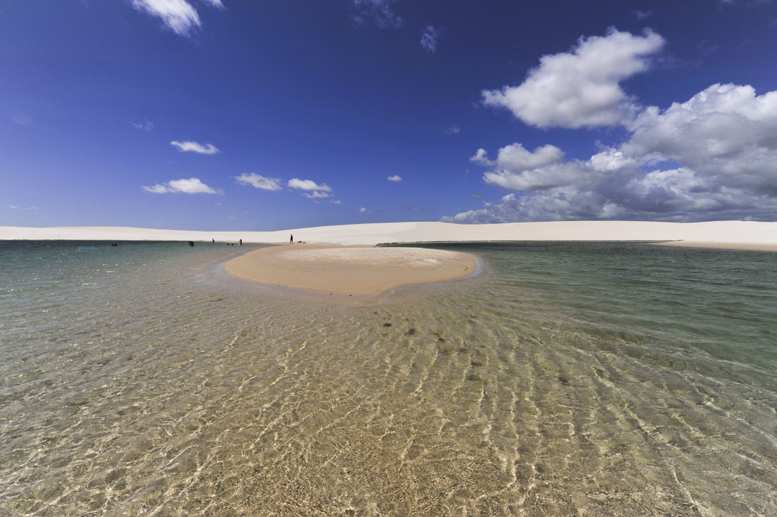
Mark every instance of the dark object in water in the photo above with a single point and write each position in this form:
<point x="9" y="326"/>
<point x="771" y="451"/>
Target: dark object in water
<point x="191" y="243"/>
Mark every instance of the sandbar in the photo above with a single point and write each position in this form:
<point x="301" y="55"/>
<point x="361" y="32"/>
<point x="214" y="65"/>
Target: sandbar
<point x="349" y="270"/>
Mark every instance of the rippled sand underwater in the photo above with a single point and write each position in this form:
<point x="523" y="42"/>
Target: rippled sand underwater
<point x="563" y="380"/>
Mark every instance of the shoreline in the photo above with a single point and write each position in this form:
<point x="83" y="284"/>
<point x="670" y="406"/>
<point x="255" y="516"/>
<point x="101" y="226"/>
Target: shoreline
<point x="721" y="245"/>
<point x="349" y="271"/>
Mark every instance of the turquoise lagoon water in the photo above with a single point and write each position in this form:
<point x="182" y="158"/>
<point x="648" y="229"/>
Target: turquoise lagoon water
<point x="564" y="379"/>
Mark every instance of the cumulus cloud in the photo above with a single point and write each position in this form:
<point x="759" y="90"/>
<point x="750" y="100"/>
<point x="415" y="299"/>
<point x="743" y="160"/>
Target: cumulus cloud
<point x="380" y="11"/>
<point x="308" y="185"/>
<point x="429" y="38"/>
<point x="183" y="186"/>
<point x="515" y="157"/>
<point x="516" y="168"/>
<point x="453" y="130"/>
<point x="394" y="178"/>
<point x="364" y="211"/>
<point x="580" y="87"/>
<point x="726" y="133"/>
<point x="178" y="15"/>
<point x="481" y="158"/>
<point x="711" y="157"/>
<point x="260" y="182"/>
<point x="313" y="189"/>
<point x="195" y="147"/>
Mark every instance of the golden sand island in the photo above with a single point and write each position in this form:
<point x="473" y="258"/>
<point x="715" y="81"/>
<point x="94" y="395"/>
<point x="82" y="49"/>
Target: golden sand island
<point x="349" y="270"/>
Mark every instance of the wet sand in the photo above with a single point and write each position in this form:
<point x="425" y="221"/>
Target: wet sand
<point x="349" y="270"/>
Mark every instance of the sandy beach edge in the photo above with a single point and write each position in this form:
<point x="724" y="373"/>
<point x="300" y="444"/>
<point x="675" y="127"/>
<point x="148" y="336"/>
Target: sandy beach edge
<point x="721" y="245"/>
<point x="350" y="271"/>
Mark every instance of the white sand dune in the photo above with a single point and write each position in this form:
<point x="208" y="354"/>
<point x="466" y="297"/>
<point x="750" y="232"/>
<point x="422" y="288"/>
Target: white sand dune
<point x="762" y="235"/>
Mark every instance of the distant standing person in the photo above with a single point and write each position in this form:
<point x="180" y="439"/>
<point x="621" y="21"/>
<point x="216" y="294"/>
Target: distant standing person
<point x="241" y="242"/>
<point x="291" y="240"/>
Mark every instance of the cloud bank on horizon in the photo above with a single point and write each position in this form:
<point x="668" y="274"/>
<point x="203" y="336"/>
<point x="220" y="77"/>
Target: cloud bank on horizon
<point x="713" y="156"/>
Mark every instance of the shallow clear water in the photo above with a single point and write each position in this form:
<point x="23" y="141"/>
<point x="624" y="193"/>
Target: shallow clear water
<point x="567" y="378"/>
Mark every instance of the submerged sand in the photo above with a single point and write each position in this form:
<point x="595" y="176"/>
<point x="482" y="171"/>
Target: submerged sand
<point x="355" y="271"/>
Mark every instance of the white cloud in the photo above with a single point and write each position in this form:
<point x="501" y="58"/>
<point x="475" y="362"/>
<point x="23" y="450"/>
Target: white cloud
<point x="581" y="87"/>
<point x="364" y="211"/>
<point x="394" y="178"/>
<point x="317" y="194"/>
<point x="711" y="157"/>
<point x="611" y="160"/>
<point x="195" y="147"/>
<point x="481" y="158"/>
<point x="380" y="11"/>
<point x="518" y="169"/>
<point x="726" y="132"/>
<point x="260" y="182"/>
<point x="177" y="15"/>
<point x="453" y="130"/>
<point x="13" y="207"/>
<point x="145" y="125"/>
<point x="429" y="38"/>
<point x="308" y="185"/>
<point x="641" y="15"/>
<point x="515" y="157"/>
<point x="555" y="175"/>
<point x="722" y="142"/>
<point x="184" y="186"/>
<point x="312" y="189"/>
<point x="721" y="147"/>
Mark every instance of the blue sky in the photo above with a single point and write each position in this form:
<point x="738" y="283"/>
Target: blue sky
<point x="264" y="115"/>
